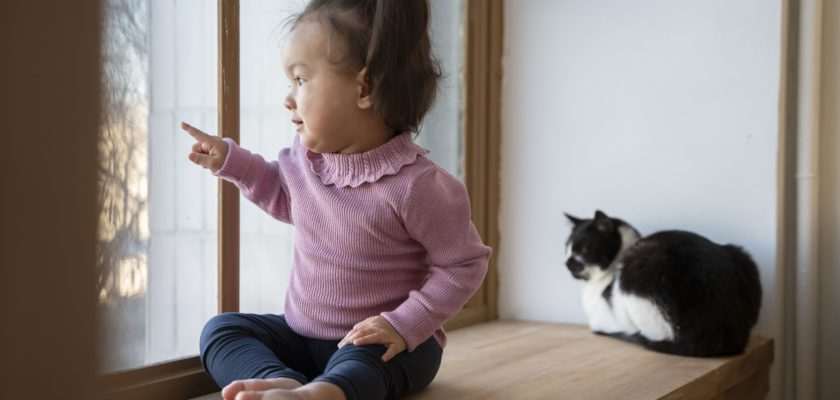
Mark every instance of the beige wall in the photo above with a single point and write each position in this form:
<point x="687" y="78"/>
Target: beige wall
<point x="830" y="204"/>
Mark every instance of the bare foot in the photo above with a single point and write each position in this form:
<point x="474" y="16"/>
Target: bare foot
<point x="230" y="391"/>
<point x="272" y="394"/>
<point x="311" y="391"/>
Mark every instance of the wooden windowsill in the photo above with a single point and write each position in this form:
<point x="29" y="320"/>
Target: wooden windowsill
<point x="533" y="360"/>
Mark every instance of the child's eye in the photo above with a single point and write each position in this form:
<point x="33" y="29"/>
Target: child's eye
<point x="299" y="81"/>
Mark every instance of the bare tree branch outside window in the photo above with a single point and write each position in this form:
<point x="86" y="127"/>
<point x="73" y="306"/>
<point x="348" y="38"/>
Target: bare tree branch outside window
<point x="123" y="183"/>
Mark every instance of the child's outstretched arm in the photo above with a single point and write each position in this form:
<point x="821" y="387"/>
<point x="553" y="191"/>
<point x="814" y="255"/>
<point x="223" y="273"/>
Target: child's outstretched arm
<point x="437" y="214"/>
<point x="258" y="180"/>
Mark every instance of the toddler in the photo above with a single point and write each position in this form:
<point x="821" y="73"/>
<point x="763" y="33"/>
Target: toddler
<point x="384" y="248"/>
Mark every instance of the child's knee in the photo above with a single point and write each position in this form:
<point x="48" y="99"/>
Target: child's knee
<point x="372" y="351"/>
<point x="359" y="371"/>
<point x="369" y="355"/>
<point x="215" y="325"/>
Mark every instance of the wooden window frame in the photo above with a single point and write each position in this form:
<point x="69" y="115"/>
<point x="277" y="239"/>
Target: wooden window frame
<point x="185" y="378"/>
<point x="482" y="105"/>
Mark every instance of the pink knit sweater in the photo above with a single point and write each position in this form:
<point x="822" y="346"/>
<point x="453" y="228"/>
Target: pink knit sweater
<point x="383" y="232"/>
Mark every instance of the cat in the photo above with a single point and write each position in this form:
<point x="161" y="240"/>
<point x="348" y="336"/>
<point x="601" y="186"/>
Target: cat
<point x="673" y="291"/>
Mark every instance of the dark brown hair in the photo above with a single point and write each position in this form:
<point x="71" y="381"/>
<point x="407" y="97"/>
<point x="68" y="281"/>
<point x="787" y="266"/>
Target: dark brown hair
<point x="391" y="39"/>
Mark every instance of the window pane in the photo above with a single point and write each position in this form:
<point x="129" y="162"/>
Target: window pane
<point x="266" y="244"/>
<point x="157" y="236"/>
<point x="442" y="130"/>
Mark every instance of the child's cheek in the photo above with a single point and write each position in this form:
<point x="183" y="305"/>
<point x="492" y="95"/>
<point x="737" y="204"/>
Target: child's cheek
<point x="302" y="101"/>
<point x="309" y="99"/>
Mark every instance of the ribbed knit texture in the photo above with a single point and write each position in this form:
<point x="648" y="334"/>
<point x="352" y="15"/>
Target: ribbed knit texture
<point x="383" y="232"/>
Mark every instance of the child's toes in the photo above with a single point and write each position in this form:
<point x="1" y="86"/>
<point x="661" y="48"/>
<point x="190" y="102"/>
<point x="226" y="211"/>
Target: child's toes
<point x="249" y="395"/>
<point x="229" y="392"/>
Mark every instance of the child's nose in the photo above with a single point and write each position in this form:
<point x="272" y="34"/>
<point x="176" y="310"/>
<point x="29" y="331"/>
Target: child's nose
<point x="289" y="103"/>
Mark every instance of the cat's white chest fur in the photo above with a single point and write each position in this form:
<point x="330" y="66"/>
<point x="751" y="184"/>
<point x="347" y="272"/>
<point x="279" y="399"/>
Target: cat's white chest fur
<point x="598" y="310"/>
<point x="624" y="313"/>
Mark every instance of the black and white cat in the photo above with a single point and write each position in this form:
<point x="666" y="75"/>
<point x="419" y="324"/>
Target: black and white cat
<point x="673" y="291"/>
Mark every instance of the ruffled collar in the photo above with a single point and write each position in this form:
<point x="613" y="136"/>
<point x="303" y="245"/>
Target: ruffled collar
<point x="353" y="170"/>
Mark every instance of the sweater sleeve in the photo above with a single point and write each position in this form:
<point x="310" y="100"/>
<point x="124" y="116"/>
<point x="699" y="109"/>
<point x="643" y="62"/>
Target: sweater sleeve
<point x="436" y="213"/>
<point x="258" y="180"/>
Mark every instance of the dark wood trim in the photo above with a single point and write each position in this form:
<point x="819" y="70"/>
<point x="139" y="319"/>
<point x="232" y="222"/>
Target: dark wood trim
<point x="493" y="156"/>
<point x="786" y="192"/>
<point x="179" y="379"/>
<point x="467" y="317"/>
<point x="482" y="127"/>
<point x="228" y="127"/>
<point x="475" y="94"/>
<point x="49" y="208"/>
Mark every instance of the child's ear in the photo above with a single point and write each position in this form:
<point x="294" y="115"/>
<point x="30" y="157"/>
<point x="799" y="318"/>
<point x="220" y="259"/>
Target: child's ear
<point x="364" y="102"/>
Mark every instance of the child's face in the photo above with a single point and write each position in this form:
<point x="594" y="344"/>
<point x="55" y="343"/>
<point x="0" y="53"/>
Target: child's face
<point x="323" y="99"/>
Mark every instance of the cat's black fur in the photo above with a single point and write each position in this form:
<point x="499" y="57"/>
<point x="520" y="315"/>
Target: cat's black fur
<point x="709" y="294"/>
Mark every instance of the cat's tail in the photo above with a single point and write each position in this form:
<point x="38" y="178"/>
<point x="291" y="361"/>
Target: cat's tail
<point x="687" y="348"/>
<point x="660" y="346"/>
<point x="692" y="349"/>
<point x="634" y="338"/>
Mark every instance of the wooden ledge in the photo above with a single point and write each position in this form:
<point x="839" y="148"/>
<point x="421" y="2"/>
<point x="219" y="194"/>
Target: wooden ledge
<point x="533" y="360"/>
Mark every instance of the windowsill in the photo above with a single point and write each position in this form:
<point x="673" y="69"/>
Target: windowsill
<point x="517" y="359"/>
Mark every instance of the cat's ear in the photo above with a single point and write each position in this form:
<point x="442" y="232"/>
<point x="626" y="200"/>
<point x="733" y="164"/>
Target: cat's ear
<point x="574" y="220"/>
<point x="603" y="222"/>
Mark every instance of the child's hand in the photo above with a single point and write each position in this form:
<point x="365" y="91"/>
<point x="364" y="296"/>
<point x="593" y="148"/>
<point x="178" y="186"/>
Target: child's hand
<point x="376" y="330"/>
<point x="209" y="151"/>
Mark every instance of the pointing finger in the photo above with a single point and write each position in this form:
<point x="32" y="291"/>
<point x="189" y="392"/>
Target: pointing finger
<point x="196" y="133"/>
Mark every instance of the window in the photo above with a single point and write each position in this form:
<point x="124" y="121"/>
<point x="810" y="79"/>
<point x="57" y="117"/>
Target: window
<point x="265" y="258"/>
<point x="163" y="271"/>
<point x="157" y="235"/>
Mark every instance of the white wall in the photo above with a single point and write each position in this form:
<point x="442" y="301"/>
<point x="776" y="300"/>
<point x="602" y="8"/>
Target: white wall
<point x="664" y="113"/>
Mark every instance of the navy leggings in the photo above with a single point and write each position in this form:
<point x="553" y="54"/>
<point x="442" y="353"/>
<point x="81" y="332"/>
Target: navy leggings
<point x="246" y="346"/>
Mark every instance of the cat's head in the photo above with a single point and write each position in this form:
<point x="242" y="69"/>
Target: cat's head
<point x="595" y="243"/>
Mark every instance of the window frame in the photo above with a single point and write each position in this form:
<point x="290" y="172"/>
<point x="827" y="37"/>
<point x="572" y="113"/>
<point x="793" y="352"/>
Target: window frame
<point x="483" y="35"/>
